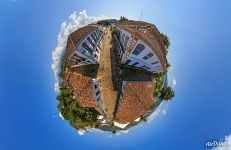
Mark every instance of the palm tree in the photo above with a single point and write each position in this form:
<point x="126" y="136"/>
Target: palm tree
<point x="167" y="93"/>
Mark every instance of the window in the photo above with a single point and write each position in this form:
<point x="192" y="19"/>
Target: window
<point x="87" y="47"/>
<point x="157" y="66"/>
<point x="96" y="86"/>
<point x="139" y="48"/>
<point x="93" y="38"/>
<point x="128" y="61"/>
<point x="153" y="63"/>
<point x="98" y="99"/>
<point x="123" y="35"/>
<point x="97" y="93"/>
<point x="148" y="56"/>
<point x="145" y="67"/>
<point x="90" y="41"/>
<point x="136" y="63"/>
<point x="96" y="57"/>
<point x="97" y="50"/>
<point x="99" y="47"/>
<point x="126" y="41"/>
<point x="74" y="58"/>
<point x="95" y="35"/>
<point x="97" y="32"/>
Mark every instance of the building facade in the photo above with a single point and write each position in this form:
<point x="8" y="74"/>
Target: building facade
<point x="86" y="91"/>
<point x="86" y="44"/>
<point x="141" y="46"/>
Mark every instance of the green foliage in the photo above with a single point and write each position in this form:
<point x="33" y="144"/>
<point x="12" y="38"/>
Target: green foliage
<point x="104" y="23"/>
<point x="113" y="31"/>
<point x="159" y="84"/>
<point x="165" y="40"/>
<point x="79" y="117"/>
<point x="167" y="93"/>
<point x="64" y="66"/>
<point x="122" y="19"/>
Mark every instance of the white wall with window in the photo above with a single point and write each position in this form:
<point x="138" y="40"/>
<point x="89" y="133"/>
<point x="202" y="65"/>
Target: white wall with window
<point x="121" y="95"/>
<point x="124" y="38"/>
<point x="88" y="50"/>
<point x="97" y="96"/>
<point x="142" y="56"/>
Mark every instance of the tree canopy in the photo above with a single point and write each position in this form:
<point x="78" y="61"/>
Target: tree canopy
<point x="104" y="22"/>
<point x="167" y="93"/>
<point x="122" y="19"/>
<point x="79" y="117"/>
<point x="165" y="40"/>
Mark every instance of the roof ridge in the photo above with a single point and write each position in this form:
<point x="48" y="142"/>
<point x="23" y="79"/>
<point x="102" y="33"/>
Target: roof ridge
<point x="138" y="97"/>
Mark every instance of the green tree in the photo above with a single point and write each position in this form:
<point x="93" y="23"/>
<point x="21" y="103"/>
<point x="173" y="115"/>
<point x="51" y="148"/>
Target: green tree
<point x="122" y="19"/>
<point x="165" y="40"/>
<point x="104" y="23"/>
<point x="167" y="93"/>
<point x="79" y="117"/>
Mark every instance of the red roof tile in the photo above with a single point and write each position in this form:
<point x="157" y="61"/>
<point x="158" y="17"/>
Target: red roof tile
<point x="136" y="101"/>
<point x="83" y="90"/>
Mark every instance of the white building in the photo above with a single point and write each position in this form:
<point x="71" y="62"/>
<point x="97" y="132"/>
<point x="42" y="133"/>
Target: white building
<point x="141" y="46"/>
<point x="86" y="45"/>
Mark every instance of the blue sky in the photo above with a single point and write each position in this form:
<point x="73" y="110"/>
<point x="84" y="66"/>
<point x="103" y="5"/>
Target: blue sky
<point x="199" y="32"/>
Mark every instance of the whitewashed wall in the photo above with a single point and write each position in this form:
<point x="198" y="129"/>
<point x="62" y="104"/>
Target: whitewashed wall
<point x="91" y="59"/>
<point x="98" y="99"/>
<point x="157" y="67"/>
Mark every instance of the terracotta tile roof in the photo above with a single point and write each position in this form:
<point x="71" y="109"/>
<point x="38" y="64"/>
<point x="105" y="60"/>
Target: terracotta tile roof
<point x="149" y="34"/>
<point x="89" y="70"/>
<point x="83" y="90"/>
<point x="135" y="23"/>
<point x="134" y="74"/>
<point x="136" y="101"/>
<point x="75" y="37"/>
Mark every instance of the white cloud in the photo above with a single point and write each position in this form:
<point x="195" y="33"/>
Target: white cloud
<point x="153" y="115"/>
<point x="81" y="132"/>
<point x="60" y="115"/>
<point x="76" y="21"/>
<point x="164" y="111"/>
<point x="227" y="144"/>
<point x="124" y="131"/>
<point x="174" y="82"/>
